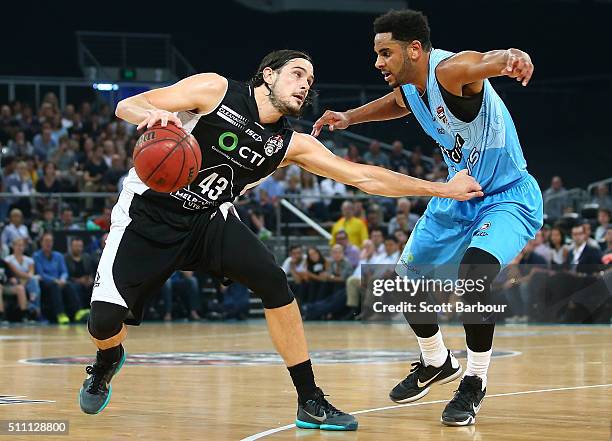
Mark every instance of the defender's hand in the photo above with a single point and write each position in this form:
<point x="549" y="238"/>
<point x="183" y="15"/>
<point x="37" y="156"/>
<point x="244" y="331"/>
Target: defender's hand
<point x="159" y="115"/>
<point x="335" y="120"/>
<point x="518" y="66"/>
<point x="462" y="187"/>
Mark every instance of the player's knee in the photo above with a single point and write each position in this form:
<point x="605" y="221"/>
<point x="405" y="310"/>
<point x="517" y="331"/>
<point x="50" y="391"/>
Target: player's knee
<point x="478" y="264"/>
<point x="273" y="289"/>
<point x="106" y="319"/>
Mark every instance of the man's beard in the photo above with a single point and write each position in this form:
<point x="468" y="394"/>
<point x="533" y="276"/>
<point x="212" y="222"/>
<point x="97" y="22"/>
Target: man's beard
<point x="282" y="106"/>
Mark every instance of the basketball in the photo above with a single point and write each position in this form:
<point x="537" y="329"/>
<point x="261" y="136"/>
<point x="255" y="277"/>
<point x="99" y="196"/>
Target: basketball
<point x="167" y="158"/>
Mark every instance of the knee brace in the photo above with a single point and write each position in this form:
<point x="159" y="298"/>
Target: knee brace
<point x="273" y="289"/>
<point x="106" y="324"/>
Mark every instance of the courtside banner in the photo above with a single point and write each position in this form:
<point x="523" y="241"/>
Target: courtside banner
<point x="521" y="293"/>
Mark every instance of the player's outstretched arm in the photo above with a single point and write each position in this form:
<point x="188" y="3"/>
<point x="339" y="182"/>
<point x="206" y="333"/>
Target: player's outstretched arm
<point x="471" y="68"/>
<point x="199" y="93"/>
<point x="390" y="106"/>
<point x="308" y="153"/>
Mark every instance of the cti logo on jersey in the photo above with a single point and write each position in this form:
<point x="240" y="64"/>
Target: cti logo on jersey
<point x="228" y="141"/>
<point x="273" y="145"/>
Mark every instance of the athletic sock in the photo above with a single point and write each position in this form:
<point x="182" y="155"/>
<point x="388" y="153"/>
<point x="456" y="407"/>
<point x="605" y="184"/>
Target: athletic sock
<point x="478" y="365"/>
<point x="433" y="349"/>
<point x="303" y="380"/>
<point x="111" y="355"/>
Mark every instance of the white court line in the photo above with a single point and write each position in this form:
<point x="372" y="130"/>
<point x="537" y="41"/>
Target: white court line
<point x="423" y="403"/>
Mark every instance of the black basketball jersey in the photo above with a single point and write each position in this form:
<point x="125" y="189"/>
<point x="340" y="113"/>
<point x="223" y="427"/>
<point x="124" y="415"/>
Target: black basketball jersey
<point x="238" y="152"/>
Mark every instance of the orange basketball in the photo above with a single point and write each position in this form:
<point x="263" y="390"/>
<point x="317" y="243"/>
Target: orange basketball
<point x="167" y="158"/>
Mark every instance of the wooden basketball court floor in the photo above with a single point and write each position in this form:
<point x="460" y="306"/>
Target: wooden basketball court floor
<point x="203" y="381"/>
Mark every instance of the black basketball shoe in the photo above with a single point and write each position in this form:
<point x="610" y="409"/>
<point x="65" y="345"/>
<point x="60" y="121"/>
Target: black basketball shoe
<point x="96" y="391"/>
<point x="462" y="409"/>
<point x="318" y="413"/>
<point x="416" y="384"/>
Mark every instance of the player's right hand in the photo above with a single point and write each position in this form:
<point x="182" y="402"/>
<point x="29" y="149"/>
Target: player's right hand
<point x="159" y="115"/>
<point x="462" y="187"/>
<point x="334" y="120"/>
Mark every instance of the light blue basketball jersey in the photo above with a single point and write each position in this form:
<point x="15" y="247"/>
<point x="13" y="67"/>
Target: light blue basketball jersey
<point x="488" y="146"/>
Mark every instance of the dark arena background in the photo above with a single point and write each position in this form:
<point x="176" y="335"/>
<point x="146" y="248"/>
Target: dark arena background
<point x="202" y="365"/>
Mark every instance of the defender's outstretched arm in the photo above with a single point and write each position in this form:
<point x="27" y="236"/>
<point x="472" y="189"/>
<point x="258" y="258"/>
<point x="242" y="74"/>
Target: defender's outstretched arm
<point x="308" y="153"/>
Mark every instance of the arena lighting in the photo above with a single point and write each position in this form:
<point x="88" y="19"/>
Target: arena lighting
<point x="105" y="86"/>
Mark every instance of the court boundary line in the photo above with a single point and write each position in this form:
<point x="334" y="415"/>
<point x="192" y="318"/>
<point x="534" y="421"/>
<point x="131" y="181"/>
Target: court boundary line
<point x="423" y="403"/>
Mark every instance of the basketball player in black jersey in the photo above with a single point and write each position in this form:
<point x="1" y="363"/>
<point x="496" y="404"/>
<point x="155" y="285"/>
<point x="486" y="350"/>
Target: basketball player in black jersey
<point x="244" y="136"/>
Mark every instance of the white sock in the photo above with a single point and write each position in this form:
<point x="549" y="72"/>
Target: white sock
<point x="478" y="365"/>
<point x="433" y="349"/>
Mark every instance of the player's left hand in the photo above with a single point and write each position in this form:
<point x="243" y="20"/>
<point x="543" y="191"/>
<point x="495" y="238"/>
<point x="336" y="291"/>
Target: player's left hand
<point x="462" y="187"/>
<point x="519" y="66"/>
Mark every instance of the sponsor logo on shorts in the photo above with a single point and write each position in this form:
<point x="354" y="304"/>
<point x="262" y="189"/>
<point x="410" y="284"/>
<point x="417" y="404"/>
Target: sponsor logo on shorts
<point x="481" y="231"/>
<point x="97" y="280"/>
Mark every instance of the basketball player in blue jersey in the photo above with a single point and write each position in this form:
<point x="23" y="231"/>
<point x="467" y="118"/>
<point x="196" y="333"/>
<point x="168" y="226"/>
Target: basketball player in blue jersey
<point x="451" y="97"/>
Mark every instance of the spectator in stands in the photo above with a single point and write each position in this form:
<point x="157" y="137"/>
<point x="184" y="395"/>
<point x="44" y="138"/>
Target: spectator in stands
<point x="104" y="221"/>
<point x="310" y="200"/>
<point x="81" y="269"/>
<point x="7" y="168"/>
<point x="378" y="239"/>
<point x="405" y="222"/>
<point x="518" y="287"/>
<point x="68" y="117"/>
<point x="391" y="254"/>
<point x="374" y="216"/>
<point x="355" y="228"/>
<point x="375" y="157"/>
<point x="109" y="150"/>
<point x="583" y="257"/>
<point x="558" y="247"/>
<point x="113" y="174"/>
<point x="439" y="170"/>
<point x="351" y="252"/>
<point x="65" y="155"/>
<point x="22" y="267"/>
<point x="59" y="293"/>
<point x="608" y="247"/>
<point x="603" y="221"/>
<point x="47" y="223"/>
<point x="334" y="297"/>
<point x="589" y="234"/>
<point x="94" y="169"/>
<point x="49" y="182"/>
<point x="418" y="167"/>
<point x="353" y="154"/>
<point x="67" y="220"/>
<point x="357" y="282"/>
<point x="44" y="143"/>
<point x="397" y="160"/>
<point x="295" y="268"/>
<point x="331" y="188"/>
<point x="15" y="229"/>
<point x="20" y="147"/>
<point x="554" y="208"/>
<point x="9" y="285"/>
<point x="541" y="247"/>
<point x="316" y="269"/>
<point x="20" y="184"/>
<point x="402" y="238"/>
<point x="602" y="198"/>
<point x="185" y="283"/>
<point x="273" y="186"/>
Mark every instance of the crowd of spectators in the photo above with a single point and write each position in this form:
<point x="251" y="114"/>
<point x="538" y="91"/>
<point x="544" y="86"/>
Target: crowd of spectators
<point x="50" y="249"/>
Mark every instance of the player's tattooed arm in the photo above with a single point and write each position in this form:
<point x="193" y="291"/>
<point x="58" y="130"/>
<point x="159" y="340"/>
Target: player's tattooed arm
<point x="463" y="73"/>
<point x="199" y="93"/>
<point x="308" y="153"/>
<point x="390" y="106"/>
